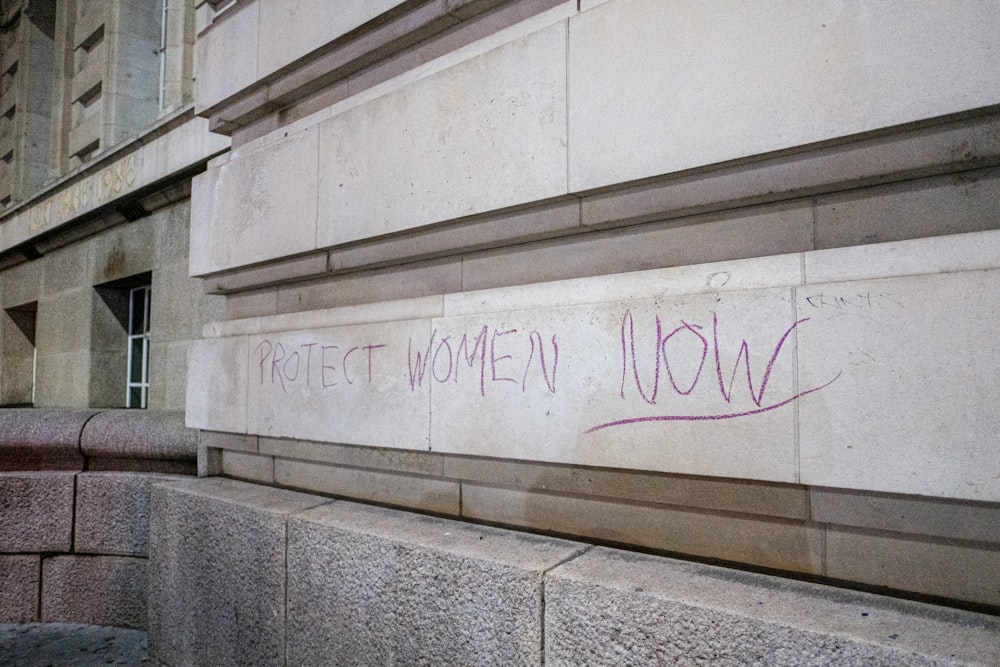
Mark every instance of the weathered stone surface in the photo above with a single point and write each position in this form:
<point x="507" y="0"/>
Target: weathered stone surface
<point x="428" y="494"/>
<point x="139" y="434"/>
<point x="296" y="27"/>
<point x="481" y="135"/>
<point x="217" y="385"/>
<point x="338" y="385"/>
<point x="39" y="439"/>
<point x="217" y="572"/>
<point x="96" y="590"/>
<point x="37" y="511"/>
<point x="373" y="586"/>
<point x="112" y="512"/>
<point x="912" y="409"/>
<point x="697" y="384"/>
<point x="613" y="607"/>
<point x="747" y="369"/>
<point x="956" y="570"/>
<point x="953" y="519"/>
<point x="230" y="42"/>
<point x="19" y="579"/>
<point x="678" y="85"/>
<point x="256" y="205"/>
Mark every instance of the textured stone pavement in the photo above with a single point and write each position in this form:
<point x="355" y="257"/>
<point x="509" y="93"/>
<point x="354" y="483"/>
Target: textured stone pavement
<point x="59" y="644"/>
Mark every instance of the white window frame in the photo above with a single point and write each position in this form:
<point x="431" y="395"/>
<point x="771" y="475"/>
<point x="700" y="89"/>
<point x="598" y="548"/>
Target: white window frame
<point x="138" y="330"/>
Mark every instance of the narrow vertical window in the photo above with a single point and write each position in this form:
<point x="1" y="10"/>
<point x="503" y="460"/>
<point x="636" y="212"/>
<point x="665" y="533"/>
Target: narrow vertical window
<point x="137" y="383"/>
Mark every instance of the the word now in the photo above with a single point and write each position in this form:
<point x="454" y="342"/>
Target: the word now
<point x="684" y="343"/>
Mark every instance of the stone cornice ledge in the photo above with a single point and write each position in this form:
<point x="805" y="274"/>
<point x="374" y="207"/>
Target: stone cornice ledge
<point x="377" y="40"/>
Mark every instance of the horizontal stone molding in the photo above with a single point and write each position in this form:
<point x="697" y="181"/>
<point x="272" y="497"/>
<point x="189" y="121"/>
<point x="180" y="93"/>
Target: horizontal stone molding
<point x="801" y="347"/>
<point x="475" y="131"/>
<point x="125" y="183"/>
<point x="339" y="45"/>
<point x="967" y="145"/>
<point x="360" y="584"/>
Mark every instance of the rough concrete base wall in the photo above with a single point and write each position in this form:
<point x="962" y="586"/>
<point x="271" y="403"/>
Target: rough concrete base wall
<point x="246" y="574"/>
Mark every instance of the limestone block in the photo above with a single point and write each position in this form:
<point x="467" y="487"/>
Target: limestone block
<point x="912" y="409"/>
<point x="249" y="467"/>
<point x="217" y="384"/>
<point x="730" y="276"/>
<point x="961" y="571"/>
<point x="781" y="177"/>
<point x="410" y="491"/>
<point x="659" y="87"/>
<point x="95" y="590"/>
<point x="217" y="572"/>
<point x="486" y="133"/>
<point x="948" y="254"/>
<point x="226" y="56"/>
<point x="37" y="511"/>
<point x="421" y="279"/>
<point x="697" y="384"/>
<point x="123" y="251"/>
<point x="64" y="267"/>
<point x="371" y="586"/>
<point x="178" y="303"/>
<point x="168" y="364"/>
<point x="338" y="384"/>
<point x="960" y="520"/>
<point x="756" y="232"/>
<point x="413" y="462"/>
<point x="19" y="581"/>
<point x="929" y="207"/>
<point x="258" y="205"/>
<point x="63" y="321"/>
<point x="612" y="607"/>
<point x="760" y="498"/>
<point x="112" y="512"/>
<point x="295" y="28"/>
<point x="187" y="144"/>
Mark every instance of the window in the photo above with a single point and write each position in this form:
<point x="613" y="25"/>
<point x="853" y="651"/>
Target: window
<point x="137" y="382"/>
<point x="17" y="382"/>
<point x="120" y="343"/>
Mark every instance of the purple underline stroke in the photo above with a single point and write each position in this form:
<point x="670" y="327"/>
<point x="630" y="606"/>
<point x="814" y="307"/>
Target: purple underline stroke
<point x="732" y="415"/>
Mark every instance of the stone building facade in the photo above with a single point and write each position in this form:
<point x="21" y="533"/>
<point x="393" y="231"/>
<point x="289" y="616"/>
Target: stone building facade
<point x="563" y="287"/>
<point x="98" y="145"/>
